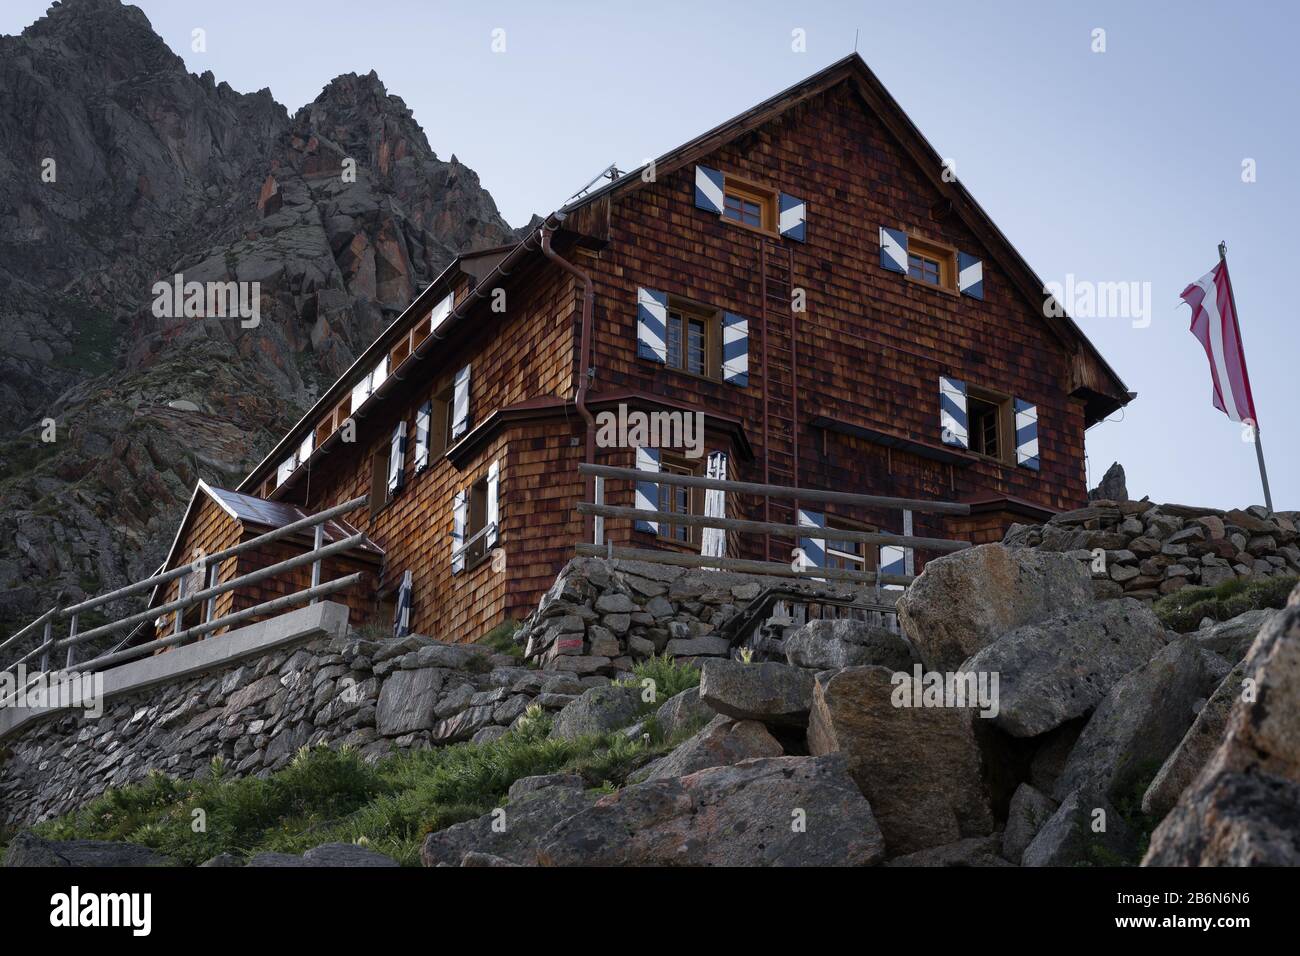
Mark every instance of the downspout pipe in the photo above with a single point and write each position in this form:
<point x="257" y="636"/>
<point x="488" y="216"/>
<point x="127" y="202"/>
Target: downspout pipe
<point x="585" y="369"/>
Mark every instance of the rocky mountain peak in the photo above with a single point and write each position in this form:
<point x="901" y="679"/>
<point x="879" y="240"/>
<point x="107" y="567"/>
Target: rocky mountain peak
<point x="108" y="34"/>
<point x="357" y="116"/>
<point x="119" y="168"/>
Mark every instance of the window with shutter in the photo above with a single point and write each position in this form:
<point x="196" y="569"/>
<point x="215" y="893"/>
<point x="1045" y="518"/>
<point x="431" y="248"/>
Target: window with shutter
<point x="423" y="424"/>
<point x="952" y="412"/>
<point x="713" y="541"/>
<point x="1026" y="434"/>
<point x="647" y="492"/>
<point x="397" y="460"/>
<point x="459" y="523"/>
<point x="813" y="549"/>
<point x="460" y="419"/>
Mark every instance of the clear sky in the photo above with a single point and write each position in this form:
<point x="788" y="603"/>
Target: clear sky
<point x="1117" y="166"/>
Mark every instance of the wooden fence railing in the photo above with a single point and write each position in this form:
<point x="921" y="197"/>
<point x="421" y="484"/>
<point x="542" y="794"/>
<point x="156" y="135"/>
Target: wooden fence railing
<point x="796" y="569"/>
<point x="205" y="596"/>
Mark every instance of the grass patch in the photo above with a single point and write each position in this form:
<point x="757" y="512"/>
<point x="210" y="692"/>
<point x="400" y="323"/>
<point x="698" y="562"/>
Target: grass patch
<point x="670" y="678"/>
<point x="501" y="640"/>
<point x="1183" y="610"/>
<point x="329" y="795"/>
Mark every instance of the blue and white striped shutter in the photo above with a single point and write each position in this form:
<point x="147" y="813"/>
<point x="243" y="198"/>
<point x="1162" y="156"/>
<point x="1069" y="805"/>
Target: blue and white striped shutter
<point x="708" y="189"/>
<point x="713" y="542"/>
<point x="735" y="349"/>
<point x="893" y="249"/>
<point x="1026" y="435"/>
<point x="396" y="459"/>
<point x="402" y="617"/>
<point x="493" y="505"/>
<point x="952" y="412"/>
<point x="814" y="549"/>
<point x="970" y="275"/>
<point x="652" y="325"/>
<point x="647" y="492"/>
<point x="460" y="404"/>
<point x="459" y="519"/>
<point x="423" y="417"/>
<point x="794" y="216"/>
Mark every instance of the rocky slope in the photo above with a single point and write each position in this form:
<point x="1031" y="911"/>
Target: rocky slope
<point x="1015" y="720"/>
<point x="157" y="171"/>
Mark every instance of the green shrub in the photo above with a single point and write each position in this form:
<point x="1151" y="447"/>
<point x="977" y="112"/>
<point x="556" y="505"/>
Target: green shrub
<point x="326" y="795"/>
<point x="670" y="677"/>
<point x="1183" y="610"/>
<point x="501" y="639"/>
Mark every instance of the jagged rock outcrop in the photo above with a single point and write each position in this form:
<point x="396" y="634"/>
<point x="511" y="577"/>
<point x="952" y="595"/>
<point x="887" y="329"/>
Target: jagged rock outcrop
<point x="157" y="172"/>
<point x="1112" y="486"/>
<point x="1244" y="807"/>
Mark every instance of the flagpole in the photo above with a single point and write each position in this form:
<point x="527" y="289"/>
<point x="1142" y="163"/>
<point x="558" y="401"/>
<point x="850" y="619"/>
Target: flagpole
<point x="1259" y="444"/>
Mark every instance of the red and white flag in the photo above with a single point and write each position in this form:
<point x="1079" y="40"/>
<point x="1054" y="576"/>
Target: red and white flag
<point x="1214" y="323"/>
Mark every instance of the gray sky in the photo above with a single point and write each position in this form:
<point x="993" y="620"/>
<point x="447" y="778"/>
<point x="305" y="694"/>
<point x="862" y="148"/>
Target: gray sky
<point x="1117" y="166"/>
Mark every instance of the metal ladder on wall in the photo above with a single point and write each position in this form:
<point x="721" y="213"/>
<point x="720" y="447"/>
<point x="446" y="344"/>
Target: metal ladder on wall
<point x="780" y="394"/>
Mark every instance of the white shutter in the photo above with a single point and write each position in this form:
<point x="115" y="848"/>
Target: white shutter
<point x="493" y="505"/>
<point x="713" y="541"/>
<point x="459" y="519"/>
<point x="423" y="418"/>
<point x="397" y="459"/>
<point x="460" y="404"/>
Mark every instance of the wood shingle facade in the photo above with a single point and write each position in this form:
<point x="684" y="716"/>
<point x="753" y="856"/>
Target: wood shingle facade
<point x="751" y="276"/>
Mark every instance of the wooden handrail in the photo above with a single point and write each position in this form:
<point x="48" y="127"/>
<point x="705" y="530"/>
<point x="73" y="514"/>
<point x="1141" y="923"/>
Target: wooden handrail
<point x="776" y="491"/>
<point x="770" y="527"/>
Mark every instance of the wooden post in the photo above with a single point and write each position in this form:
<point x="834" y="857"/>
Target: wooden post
<point x="315" y="566"/>
<point x="72" y="648"/>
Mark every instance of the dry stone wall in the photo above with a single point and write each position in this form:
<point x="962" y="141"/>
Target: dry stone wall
<point x="601" y="616"/>
<point x="375" y="696"/>
<point x="1156" y="549"/>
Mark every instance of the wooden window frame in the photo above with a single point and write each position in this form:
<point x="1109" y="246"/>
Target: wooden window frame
<point x="443" y="401"/>
<point x="940" y="252"/>
<point x="712" y="319"/>
<point x="476" y="521"/>
<point x="679" y="464"/>
<point x="1006" y="425"/>
<point x="767" y="198"/>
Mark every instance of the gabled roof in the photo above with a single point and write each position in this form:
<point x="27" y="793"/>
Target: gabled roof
<point x="260" y="515"/>
<point x="1094" y="380"/>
